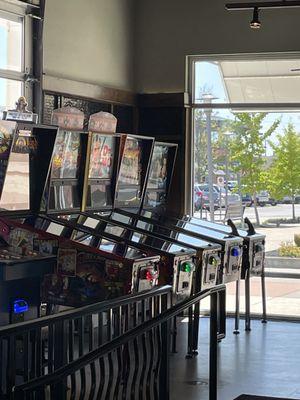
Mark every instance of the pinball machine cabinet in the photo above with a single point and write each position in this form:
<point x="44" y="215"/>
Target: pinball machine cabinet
<point x="130" y="168"/>
<point x="25" y="152"/>
<point x="103" y="271"/>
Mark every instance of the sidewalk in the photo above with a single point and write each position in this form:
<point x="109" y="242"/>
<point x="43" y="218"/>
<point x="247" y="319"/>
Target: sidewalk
<point x="283" y="297"/>
<point x="277" y="235"/>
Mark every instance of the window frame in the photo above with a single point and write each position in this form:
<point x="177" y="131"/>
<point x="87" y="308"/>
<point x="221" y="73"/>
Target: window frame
<point x="246" y="107"/>
<point x="193" y="105"/>
<point x="18" y="12"/>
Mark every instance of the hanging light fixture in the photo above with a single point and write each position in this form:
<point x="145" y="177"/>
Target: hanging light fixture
<point x="255" y="23"/>
<point x="256" y="6"/>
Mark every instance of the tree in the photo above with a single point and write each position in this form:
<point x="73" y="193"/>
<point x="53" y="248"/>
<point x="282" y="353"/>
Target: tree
<point x="284" y="174"/>
<point x="247" y="148"/>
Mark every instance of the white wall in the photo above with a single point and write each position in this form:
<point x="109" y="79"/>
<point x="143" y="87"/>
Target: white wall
<point x="90" y="41"/>
<point x="168" y="30"/>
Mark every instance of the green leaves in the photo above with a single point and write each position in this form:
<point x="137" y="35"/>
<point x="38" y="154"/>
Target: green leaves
<point x="248" y="149"/>
<point x="285" y="169"/>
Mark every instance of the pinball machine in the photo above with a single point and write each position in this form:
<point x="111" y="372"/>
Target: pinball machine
<point x="25" y="150"/>
<point x="253" y="253"/>
<point x="103" y="150"/>
<point x="176" y="264"/>
<point x="102" y="167"/>
<point x="132" y="169"/>
<point x="253" y="243"/>
<point x="208" y="255"/>
<point x="114" y="271"/>
<point x="252" y="260"/>
<point x="154" y="206"/>
<point x="252" y="256"/>
<point x="155" y="198"/>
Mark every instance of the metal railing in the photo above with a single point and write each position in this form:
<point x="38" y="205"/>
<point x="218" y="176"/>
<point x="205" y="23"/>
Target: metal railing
<point x="36" y="348"/>
<point x="134" y="365"/>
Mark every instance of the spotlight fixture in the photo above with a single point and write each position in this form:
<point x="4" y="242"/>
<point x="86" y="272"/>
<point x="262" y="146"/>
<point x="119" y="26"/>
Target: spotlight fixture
<point x="255" y="23"/>
<point x="256" y="6"/>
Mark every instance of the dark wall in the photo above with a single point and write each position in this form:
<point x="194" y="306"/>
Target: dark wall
<point x="164" y="117"/>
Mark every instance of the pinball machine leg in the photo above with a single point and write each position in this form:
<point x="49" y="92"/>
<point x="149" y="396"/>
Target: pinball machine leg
<point x="174" y="335"/>
<point x="196" y="328"/>
<point x="247" y="300"/>
<point x="190" y="333"/>
<point x="222" y="316"/>
<point x="264" y="298"/>
<point x="237" y="308"/>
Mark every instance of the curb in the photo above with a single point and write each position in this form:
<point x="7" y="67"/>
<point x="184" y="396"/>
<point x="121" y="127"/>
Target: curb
<point x="283" y="262"/>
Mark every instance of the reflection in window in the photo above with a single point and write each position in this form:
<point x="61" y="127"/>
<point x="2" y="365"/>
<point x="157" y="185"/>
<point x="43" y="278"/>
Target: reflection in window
<point x="120" y="218"/>
<point x="91" y="222"/>
<point x="107" y="245"/>
<point x="55" y="229"/>
<point x="15" y="193"/>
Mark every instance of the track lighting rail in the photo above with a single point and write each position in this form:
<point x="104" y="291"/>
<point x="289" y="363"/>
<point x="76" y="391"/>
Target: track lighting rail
<point x="263" y="4"/>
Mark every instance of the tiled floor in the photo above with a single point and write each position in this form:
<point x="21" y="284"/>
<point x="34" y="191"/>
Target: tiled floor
<point x="265" y="361"/>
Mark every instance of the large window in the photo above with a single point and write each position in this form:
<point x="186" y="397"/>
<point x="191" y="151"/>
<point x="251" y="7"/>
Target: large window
<point x="15" y="55"/>
<point x="246" y="154"/>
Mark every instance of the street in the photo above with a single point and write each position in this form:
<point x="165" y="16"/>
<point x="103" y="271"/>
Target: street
<point x="265" y="213"/>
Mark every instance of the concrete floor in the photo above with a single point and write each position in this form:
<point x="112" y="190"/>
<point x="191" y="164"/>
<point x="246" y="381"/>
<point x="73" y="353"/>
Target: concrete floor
<point x="265" y="361"/>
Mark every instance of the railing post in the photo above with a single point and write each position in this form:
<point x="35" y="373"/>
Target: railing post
<point x="213" y="347"/>
<point x="164" y="373"/>
<point x="60" y="357"/>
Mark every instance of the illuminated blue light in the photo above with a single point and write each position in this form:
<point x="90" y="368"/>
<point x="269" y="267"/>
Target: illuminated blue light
<point x="235" y="252"/>
<point x="20" y="306"/>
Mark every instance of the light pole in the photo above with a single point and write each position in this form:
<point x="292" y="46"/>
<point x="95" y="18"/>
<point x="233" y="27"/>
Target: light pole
<point x="208" y="98"/>
<point x="227" y="135"/>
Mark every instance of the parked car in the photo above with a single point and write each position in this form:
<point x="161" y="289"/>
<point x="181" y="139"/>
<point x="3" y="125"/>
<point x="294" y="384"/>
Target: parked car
<point x="232" y="198"/>
<point x="288" y="200"/>
<point x="204" y="188"/>
<point x="247" y="200"/>
<point x="263" y="198"/>
<point x="197" y="197"/>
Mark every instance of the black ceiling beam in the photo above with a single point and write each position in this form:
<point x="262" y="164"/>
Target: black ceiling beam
<point x="263" y="4"/>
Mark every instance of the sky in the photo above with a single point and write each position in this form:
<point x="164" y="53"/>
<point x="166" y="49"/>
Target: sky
<point x="208" y="77"/>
